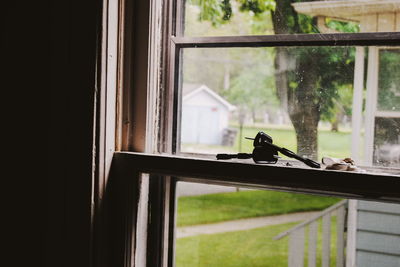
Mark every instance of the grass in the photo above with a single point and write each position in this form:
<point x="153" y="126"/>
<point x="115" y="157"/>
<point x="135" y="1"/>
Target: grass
<point x="255" y="248"/>
<point x="252" y="247"/>
<point x="334" y="144"/>
<point x="213" y="208"/>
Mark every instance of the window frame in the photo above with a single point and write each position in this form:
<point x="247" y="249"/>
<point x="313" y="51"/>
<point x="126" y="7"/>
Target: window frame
<point x="366" y="186"/>
<point x="139" y="211"/>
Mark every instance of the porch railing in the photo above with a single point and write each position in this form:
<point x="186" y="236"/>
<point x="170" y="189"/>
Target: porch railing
<point x="297" y="238"/>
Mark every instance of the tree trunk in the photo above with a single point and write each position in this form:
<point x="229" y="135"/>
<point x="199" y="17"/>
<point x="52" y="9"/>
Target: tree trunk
<point x="335" y="125"/>
<point x="306" y="126"/>
<point x="281" y="79"/>
<point x="253" y="115"/>
<point x="303" y="111"/>
<point x="336" y="120"/>
<point x="299" y="102"/>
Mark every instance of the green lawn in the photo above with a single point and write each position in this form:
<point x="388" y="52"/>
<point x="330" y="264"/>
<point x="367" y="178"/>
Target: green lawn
<point x="213" y="208"/>
<point x="255" y="248"/>
<point x="334" y="144"/>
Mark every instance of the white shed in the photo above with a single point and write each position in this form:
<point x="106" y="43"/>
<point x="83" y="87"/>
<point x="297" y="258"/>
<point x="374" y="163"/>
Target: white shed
<point x="205" y="115"/>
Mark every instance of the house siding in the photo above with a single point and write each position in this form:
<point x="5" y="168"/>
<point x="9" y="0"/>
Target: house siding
<point x="378" y="234"/>
<point x="365" y="259"/>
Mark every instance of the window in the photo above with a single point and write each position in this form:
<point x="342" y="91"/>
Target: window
<point x="307" y="58"/>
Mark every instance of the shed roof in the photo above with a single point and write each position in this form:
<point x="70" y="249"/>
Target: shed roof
<point x="190" y="90"/>
<point x="187" y="88"/>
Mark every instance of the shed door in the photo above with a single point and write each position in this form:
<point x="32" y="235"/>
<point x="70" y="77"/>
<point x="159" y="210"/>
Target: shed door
<point x="200" y="125"/>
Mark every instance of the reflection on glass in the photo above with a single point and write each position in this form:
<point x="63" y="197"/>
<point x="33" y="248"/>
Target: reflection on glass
<point x="228" y="226"/>
<point x="301" y="96"/>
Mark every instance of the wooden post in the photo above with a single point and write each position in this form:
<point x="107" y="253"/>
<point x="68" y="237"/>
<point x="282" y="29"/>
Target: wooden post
<point x="340" y="217"/>
<point x="371" y="99"/>
<point x="312" y="244"/>
<point x="296" y="248"/>
<point x="326" y="240"/>
<point x="351" y="234"/>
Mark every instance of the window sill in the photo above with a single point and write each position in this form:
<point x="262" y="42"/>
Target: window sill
<point x="367" y="186"/>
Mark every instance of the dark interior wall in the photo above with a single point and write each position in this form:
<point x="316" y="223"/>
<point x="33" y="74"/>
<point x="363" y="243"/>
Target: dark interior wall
<point x="74" y="27"/>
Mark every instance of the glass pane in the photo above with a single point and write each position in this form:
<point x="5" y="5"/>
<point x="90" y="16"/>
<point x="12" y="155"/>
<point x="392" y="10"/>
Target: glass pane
<point x="387" y="122"/>
<point x="301" y="97"/>
<point x="387" y="142"/>
<point x="229" y="226"/>
<point x="264" y="17"/>
<point x="389" y="80"/>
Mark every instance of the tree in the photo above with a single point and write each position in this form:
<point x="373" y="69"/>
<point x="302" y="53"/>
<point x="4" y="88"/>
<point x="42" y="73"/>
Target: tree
<point x="389" y="80"/>
<point x="248" y="90"/>
<point x="342" y="107"/>
<point x="306" y="78"/>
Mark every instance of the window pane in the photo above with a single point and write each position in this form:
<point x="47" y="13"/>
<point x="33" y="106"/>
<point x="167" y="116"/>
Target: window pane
<point x="387" y="141"/>
<point x="302" y="97"/>
<point x="389" y="80"/>
<point x="263" y="17"/>
<point x="229" y="226"/>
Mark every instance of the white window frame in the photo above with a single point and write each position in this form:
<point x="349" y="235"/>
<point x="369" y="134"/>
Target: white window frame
<point x="371" y="111"/>
<point x="134" y="195"/>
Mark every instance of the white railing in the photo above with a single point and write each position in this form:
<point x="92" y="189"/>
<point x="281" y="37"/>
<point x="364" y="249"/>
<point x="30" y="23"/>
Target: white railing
<point x="297" y="238"/>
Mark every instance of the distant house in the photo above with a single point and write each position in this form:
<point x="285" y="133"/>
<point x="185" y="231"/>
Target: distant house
<point x="205" y="115"/>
